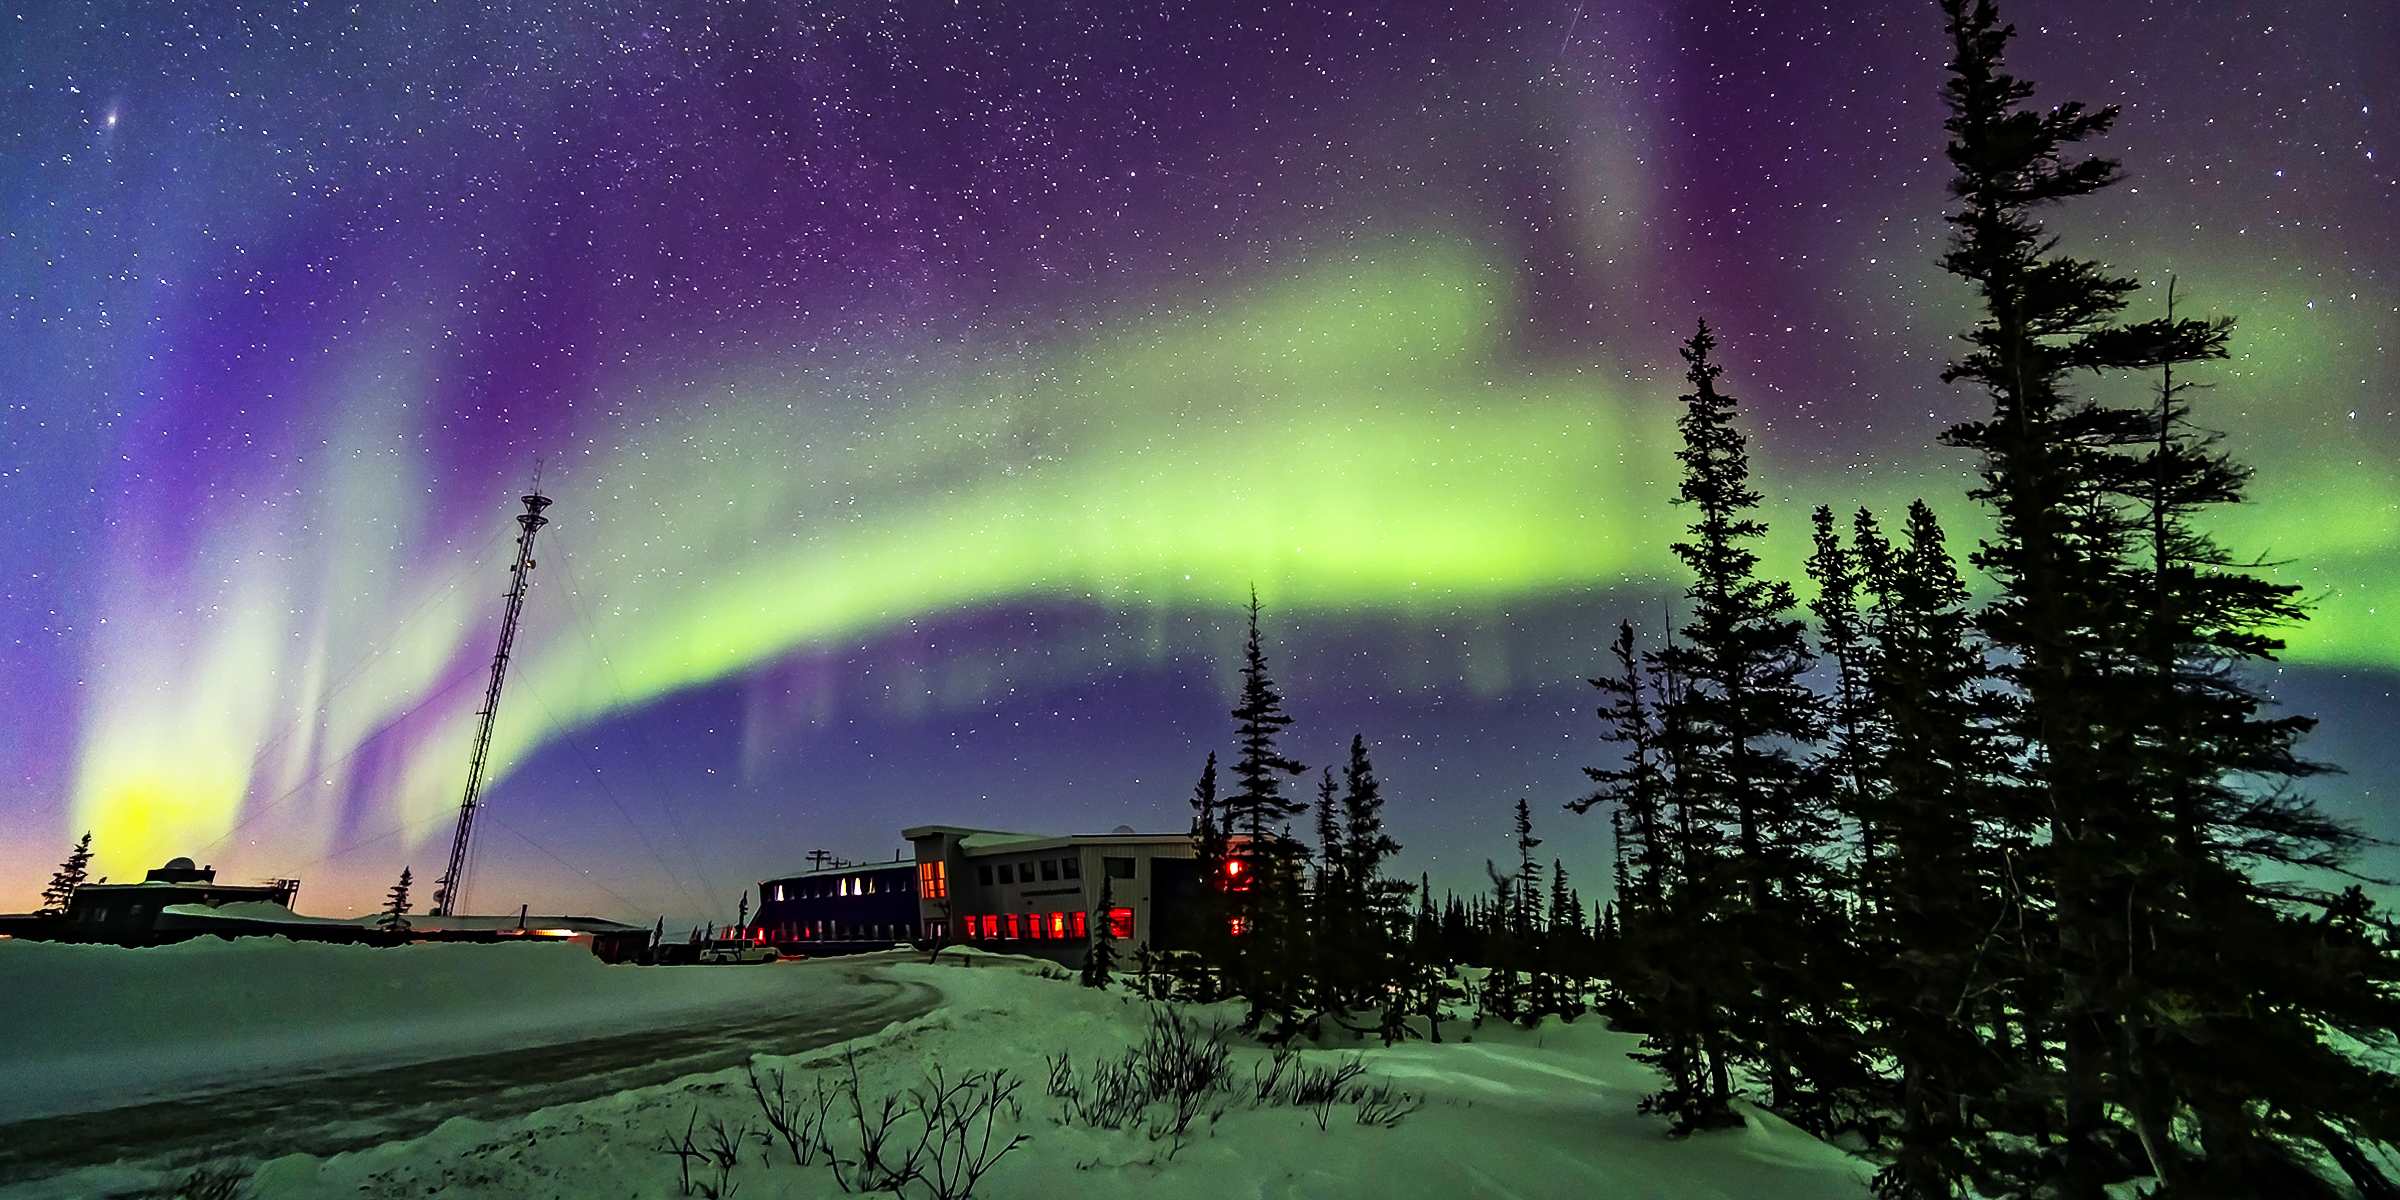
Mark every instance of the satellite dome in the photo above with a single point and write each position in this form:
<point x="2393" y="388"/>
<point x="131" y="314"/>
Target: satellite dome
<point x="1122" y="829"/>
<point x="180" y="864"/>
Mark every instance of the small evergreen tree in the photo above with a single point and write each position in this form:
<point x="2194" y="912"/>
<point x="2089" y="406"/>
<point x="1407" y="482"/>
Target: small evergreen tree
<point x="1209" y="911"/>
<point x="395" y="906"/>
<point x="1101" y="959"/>
<point x="70" y="875"/>
<point x="1565" y="947"/>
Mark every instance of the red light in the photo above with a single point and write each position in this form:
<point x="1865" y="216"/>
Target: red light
<point x="1233" y="866"/>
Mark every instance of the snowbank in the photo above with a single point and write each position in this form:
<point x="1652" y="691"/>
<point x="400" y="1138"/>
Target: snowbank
<point x="92" y="1026"/>
<point x="1508" y="1113"/>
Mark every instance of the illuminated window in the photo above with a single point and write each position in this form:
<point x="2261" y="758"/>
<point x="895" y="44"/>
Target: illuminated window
<point x="1058" y="925"/>
<point x="1239" y="925"/>
<point x="1008" y="926"/>
<point x="988" y="924"/>
<point x="933" y="880"/>
<point x="1035" y="926"/>
<point x="1075" y="925"/>
<point x="1120" y="922"/>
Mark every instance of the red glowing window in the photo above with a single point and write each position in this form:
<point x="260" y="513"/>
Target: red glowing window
<point x="1008" y="926"/>
<point x="1075" y="925"/>
<point x="933" y="880"/>
<point x="1120" y="922"/>
<point x="1035" y="927"/>
<point x="1235" y="880"/>
<point x="1058" y="925"/>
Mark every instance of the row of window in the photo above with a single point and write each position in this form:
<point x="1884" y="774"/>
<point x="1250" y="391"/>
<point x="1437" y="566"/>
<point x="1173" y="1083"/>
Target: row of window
<point x="882" y="883"/>
<point x="836" y="931"/>
<point x="1048" y="870"/>
<point x="1051" y="870"/>
<point x="994" y="927"/>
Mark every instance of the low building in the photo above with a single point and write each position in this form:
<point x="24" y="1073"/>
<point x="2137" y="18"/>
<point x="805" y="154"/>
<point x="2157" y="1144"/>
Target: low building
<point x="1022" y="893"/>
<point x="130" y="914"/>
<point x="839" y="910"/>
<point x="180" y="901"/>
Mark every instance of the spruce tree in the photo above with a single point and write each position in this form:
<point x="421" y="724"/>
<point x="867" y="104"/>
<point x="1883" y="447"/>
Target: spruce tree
<point x="395" y="906"/>
<point x="1269" y="953"/>
<point x="2229" y="1044"/>
<point x="1331" y="913"/>
<point x="1637" y="793"/>
<point x="1366" y="846"/>
<point x="1101" y="959"/>
<point x="1938" y="984"/>
<point x="1742" y="707"/>
<point x="1209" y="913"/>
<point x="70" y="875"/>
<point x="2066" y="622"/>
<point x="1566" y="946"/>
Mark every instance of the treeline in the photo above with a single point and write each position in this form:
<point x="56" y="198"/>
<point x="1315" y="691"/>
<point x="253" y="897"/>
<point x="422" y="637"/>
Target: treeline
<point x="2019" y="893"/>
<point x="2025" y="897"/>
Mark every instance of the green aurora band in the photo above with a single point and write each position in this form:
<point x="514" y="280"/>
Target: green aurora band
<point x="1353" y="439"/>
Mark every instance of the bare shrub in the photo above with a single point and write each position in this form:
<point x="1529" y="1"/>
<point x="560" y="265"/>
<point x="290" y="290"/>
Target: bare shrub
<point x="1383" y="1105"/>
<point x="208" y="1181"/>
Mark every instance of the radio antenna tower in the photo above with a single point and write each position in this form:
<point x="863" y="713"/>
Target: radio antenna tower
<point x="453" y="883"/>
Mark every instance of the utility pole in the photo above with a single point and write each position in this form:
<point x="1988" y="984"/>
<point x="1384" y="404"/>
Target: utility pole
<point x="453" y="884"/>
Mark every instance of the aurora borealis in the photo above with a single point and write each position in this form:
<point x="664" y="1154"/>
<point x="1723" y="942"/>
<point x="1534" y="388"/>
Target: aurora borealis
<point x="923" y="387"/>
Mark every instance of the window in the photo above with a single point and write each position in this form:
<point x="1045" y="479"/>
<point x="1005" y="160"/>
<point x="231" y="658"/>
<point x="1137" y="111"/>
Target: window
<point x="1049" y="869"/>
<point x="933" y="929"/>
<point x="1075" y="925"/>
<point x="1117" y="868"/>
<point x="1004" y="873"/>
<point x="983" y="874"/>
<point x="933" y="880"/>
<point x="1070" y="868"/>
<point x="1008" y="926"/>
<point x="1120" y="922"/>
<point x="1058" y="925"/>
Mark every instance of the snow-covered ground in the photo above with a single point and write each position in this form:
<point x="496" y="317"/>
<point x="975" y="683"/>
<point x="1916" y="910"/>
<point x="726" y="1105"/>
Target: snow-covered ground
<point x="1506" y="1113"/>
<point x="90" y="1027"/>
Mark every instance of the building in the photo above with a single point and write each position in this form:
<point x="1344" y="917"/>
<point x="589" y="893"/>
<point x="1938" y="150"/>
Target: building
<point x="1023" y="893"/>
<point x="180" y="901"/>
<point x="839" y="910"/>
<point x="130" y="914"/>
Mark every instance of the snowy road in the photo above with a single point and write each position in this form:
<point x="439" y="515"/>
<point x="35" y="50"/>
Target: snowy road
<point x="322" y="1113"/>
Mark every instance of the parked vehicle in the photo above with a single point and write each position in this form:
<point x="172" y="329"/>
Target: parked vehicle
<point x="738" y="952"/>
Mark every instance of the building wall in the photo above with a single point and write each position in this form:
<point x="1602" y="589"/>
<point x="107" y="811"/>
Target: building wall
<point x="839" y="909"/>
<point x="998" y="888"/>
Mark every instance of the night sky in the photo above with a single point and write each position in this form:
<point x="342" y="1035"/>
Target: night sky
<point x="924" y="386"/>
